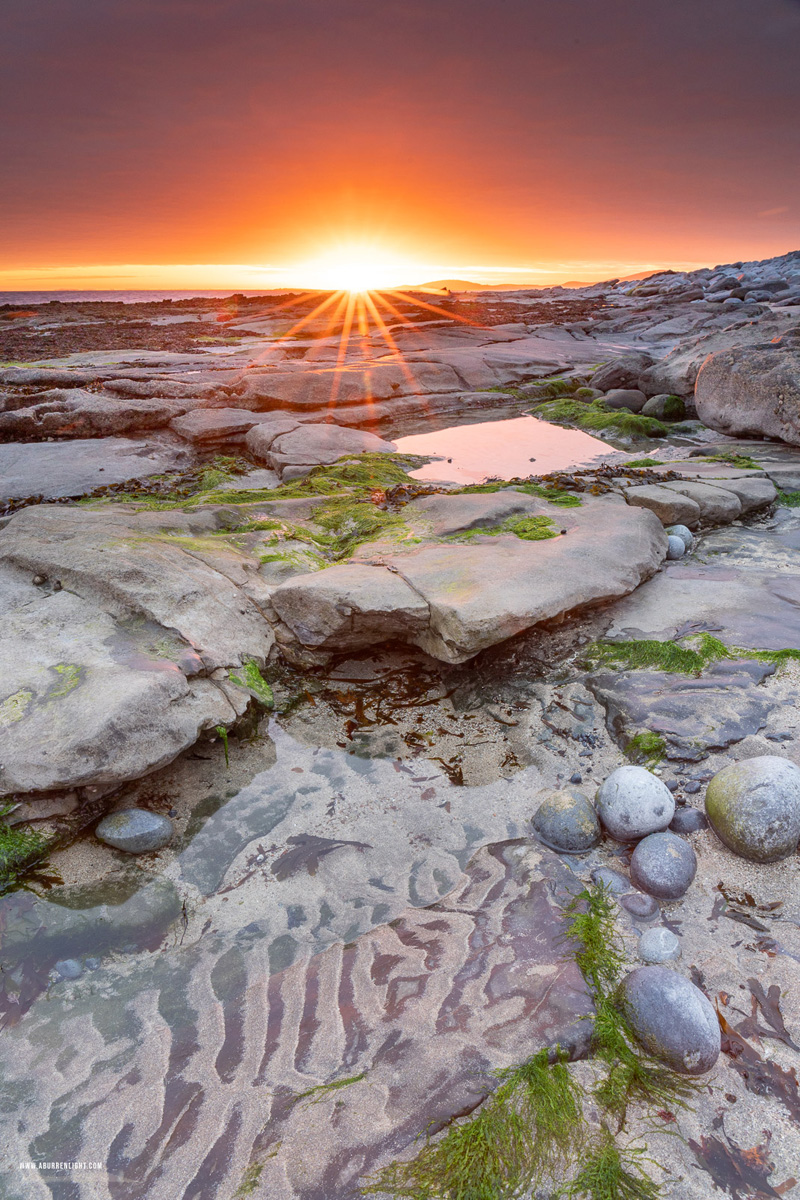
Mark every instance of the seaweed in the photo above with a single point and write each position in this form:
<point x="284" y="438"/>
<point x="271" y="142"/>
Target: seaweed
<point x="20" y="849"/>
<point x="612" y="1173"/>
<point x="631" y="1073"/>
<point x="596" y="416"/>
<point x="647" y="747"/>
<point x="250" y="678"/>
<point x="323" y="1090"/>
<point x="532" y="1124"/>
<point x="673" y="657"/>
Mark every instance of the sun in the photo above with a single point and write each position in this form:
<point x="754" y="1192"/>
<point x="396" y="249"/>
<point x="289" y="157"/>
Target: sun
<point x="356" y="267"/>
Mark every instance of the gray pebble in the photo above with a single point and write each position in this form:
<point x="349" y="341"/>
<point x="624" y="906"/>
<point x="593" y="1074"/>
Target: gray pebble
<point x="672" y="1019"/>
<point x="640" y="905"/>
<point x="91" y="964"/>
<point x="69" y="968"/>
<point x="663" y="865"/>
<point x="658" y="945"/>
<point x="576" y="778"/>
<point x="135" y="830"/>
<point x="672" y="784"/>
<point x="680" y="531"/>
<point x="675" y="547"/>
<point x="692" y="787"/>
<point x="566" y="821"/>
<point x="688" y="820"/>
<point x="611" y="880"/>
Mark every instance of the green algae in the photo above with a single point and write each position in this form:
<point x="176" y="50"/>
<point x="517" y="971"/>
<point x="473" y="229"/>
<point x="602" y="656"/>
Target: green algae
<point x="549" y="492"/>
<point x="612" y="1173"/>
<point x="359" y="474"/>
<point x="70" y="677"/>
<point x="323" y="1090"/>
<point x="223" y="735"/>
<point x="250" y="678"/>
<point x="632" y="1075"/>
<point x="596" y="417"/>
<point x="733" y="458"/>
<point x="691" y="659"/>
<point x="646" y="462"/>
<point x="14" y="707"/>
<point x="530" y="1126"/>
<point x="789" y="499"/>
<point x="529" y="529"/>
<point x="20" y="849"/>
<point x="647" y="748"/>
<point x="249" y="1181"/>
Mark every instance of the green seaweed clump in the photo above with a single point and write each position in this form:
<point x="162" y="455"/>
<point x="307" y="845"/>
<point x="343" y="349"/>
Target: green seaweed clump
<point x="631" y="1074"/>
<point x="611" y="1173"/>
<point x="530" y="1125"/>
<point x="647" y="748"/>
<point x="646" y="462"/>
<point x="597" y="417"/>
<point x="359" y="474"/>
<point x="348" y="522"/>
<point x="677" y="658"/>
<point x="549" y="492"/>
<point x="19" y="850"/>
<point x="734" y="459"/>
<point x="529" y="529"/>
<point x="789" y="499"/>
<point x="250" y="678"/>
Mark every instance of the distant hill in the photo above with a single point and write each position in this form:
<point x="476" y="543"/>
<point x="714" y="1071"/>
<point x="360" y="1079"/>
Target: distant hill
<point x="441" y="286"/>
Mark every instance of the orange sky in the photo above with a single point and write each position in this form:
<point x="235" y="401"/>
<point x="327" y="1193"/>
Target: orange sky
<point x="175" y="143"/>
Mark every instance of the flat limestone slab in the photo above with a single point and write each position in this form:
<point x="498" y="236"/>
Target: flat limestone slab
<point x="480" y="593"/>
<point x="52" y="470"/>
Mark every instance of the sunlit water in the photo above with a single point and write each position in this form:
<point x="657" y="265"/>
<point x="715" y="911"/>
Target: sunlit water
<point x="506" y="449"/>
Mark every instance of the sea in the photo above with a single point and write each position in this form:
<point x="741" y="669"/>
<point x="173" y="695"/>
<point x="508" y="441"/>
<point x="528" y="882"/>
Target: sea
<point x="25" y="299"/>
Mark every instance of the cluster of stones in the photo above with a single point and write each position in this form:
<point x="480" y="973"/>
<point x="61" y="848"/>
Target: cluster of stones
<point x="752" y="806"/>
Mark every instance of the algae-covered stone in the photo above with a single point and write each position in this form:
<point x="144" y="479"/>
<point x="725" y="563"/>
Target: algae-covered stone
<point x="566" y="821"/>
<point x="135" y="830"/>
<point x="754" y="807"/>
<point x="672" y="1019"/>
<point x="633" y="802"/>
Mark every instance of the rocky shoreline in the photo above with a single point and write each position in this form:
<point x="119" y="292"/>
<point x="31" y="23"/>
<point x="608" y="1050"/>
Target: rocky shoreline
<point x="340" y="694"/>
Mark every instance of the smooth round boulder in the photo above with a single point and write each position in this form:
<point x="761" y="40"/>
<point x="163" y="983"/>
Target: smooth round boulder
<point x="672" y="1019"/>
<point x="688" y="820"/>
<point x="566" y="821"/>
<point x="135" y="830"/>
<point x="680" y="531"/>
<point x="659" y="945"/>
<point x="754" y="807"/>
<point x="663" y="865"/>
<point x="632" y="803"/>
<point x="630" y="398"/>
<point x="676" y="547"/>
